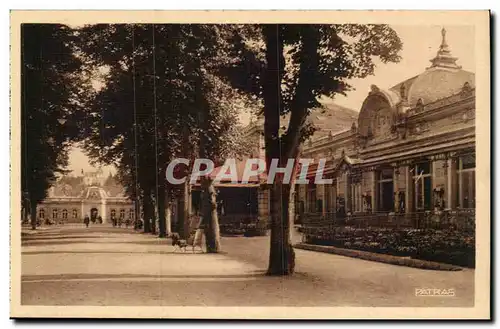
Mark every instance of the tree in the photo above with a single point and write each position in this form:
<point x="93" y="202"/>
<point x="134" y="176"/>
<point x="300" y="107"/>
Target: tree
<point x="156" y="86"/>
<point x="216" y="132"/>
<point x="120" y="128"/>
<point x="52" y="83"/>
<point x="289" y="67"/>
<point x="220" y="138"/>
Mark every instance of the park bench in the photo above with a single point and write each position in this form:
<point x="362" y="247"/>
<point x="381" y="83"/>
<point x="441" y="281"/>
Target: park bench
<point x="194" y="240"/>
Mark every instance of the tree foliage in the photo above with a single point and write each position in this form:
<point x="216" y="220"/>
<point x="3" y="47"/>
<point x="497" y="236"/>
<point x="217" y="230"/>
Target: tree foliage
<point x="289" y="67"/>
<point x="52" y="88"/>
<point x="157" y="89"/>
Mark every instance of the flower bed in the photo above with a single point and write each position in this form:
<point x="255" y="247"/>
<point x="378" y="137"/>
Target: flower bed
<point x="247" y="229"/>
<point x="445" y="246"/>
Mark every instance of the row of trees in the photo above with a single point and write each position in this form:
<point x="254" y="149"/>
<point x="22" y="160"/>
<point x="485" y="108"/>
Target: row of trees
<point x="160" y="100"/>
<point x="53" y="89"/>
<point x="173" y="90"/>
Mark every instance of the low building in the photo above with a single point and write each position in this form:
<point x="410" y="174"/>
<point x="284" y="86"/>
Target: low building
<point x="90" y="194"/>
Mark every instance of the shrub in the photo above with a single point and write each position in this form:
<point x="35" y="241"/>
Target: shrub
<point x="446" y="246"/>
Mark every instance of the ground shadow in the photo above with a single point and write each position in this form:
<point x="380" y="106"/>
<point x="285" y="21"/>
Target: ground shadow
<point x="88" y="276"/>
<point x="61" y="237"/>
<point x="148" y="252"/>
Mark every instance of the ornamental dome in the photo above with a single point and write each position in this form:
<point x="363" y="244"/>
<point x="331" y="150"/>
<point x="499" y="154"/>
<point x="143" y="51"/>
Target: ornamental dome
<point x="442" y="79"/>
<point x="437" y="83"/>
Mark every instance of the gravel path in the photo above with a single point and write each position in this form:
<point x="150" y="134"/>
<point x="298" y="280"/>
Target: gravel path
<point x="72" y="265"/>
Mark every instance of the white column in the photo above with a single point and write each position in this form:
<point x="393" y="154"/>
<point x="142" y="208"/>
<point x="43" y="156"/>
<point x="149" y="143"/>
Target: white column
<point x="395" y="182"/>
<point x="347" y="196"/>
<point x="320" y="192"/>
<point x="374" y="191"/>
<point x="449" y="187"/>
<point x="409" y="190"/>
<point x="103" y="211"/>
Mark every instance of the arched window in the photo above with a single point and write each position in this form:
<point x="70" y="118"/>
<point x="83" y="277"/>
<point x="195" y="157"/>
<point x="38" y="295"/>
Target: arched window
<point x="131" y="213"/>
<point x="113" y="213"/>
<point x="54" y="213"/>
<point x="65" y="214"/>
<point x="122" y="213"/>
<point x="75" y="213"/>
<point x="41" y="213"/>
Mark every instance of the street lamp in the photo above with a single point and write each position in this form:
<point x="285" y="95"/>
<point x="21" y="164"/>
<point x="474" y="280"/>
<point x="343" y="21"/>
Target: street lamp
<point x="62" y="121"/>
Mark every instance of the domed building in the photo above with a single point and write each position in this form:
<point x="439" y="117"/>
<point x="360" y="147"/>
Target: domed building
<point x="412" y="149"/>
<point x="409" y="152"/>
<point x="90" y="194"/>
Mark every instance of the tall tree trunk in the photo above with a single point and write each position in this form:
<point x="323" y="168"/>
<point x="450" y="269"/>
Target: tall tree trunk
<point x="154" y="212"/>
<point x="137" y="212"/>
<point x="148" y="210"/>
<point x="281" y="256"/>
<point x="184" y="211"/>
<point x="161" y="207"/>
<point x="24" y="209"/>
<point x="153" y="222"/>
<point x="168" y="217"/>
<point x="210" y="216"/>
<point x="33" y="215"/>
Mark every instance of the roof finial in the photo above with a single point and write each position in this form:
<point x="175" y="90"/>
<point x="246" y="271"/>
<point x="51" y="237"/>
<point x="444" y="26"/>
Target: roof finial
<point x="443" y="41"/>
<point x="443" y="57"/>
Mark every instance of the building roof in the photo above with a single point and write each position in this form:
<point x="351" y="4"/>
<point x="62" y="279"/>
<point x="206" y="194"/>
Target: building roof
<point x="332" y="119"/>
<point x="437" y="83"/>
<point x="442" y="79"/>
<point x="79" y="187"/>
<point x="328" y="120"/>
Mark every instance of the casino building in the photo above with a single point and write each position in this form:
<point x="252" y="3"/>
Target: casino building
<point x="411" y="150"/>
<point x="91" y="194"/>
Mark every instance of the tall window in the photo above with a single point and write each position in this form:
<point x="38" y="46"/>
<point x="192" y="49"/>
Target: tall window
<point x="41" y="213"/>
<point x="75" y="213"/>
<point x="122" y="213"/>
<point x="65" y="214"/>
<point x="113" y="213"/>
<point x="423" y="185"/>
<point x="329" y="198"/>
<point x="131" y="213"/>
<point x="311" y="198"/>
<point x="341" y="196"/>
<point x="466" y="171"/>
<point x="357" y="197"/>
<point x="54" y="213"/>
<point x="386" y="190"/>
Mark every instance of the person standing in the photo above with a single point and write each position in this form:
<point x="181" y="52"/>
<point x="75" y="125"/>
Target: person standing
<point x="86" y="220"/>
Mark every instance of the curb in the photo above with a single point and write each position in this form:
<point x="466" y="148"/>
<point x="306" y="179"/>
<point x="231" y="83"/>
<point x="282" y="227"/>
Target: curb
<point x="32" y="232"/>
<point x="382" y="258"/>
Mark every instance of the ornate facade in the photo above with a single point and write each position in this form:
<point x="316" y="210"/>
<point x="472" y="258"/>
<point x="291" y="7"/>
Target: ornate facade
<point x="411" y="150"/>
<point x="72" y="198"/>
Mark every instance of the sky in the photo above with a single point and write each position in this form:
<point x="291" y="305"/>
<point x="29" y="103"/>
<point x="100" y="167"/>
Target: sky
<point x="420" y="44"/>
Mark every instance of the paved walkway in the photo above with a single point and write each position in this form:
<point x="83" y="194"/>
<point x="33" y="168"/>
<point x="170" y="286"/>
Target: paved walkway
<point x="102" y="265"/>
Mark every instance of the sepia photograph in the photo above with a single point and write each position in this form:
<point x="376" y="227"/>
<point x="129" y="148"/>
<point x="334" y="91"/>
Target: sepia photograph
<point x="299" y="165"/>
